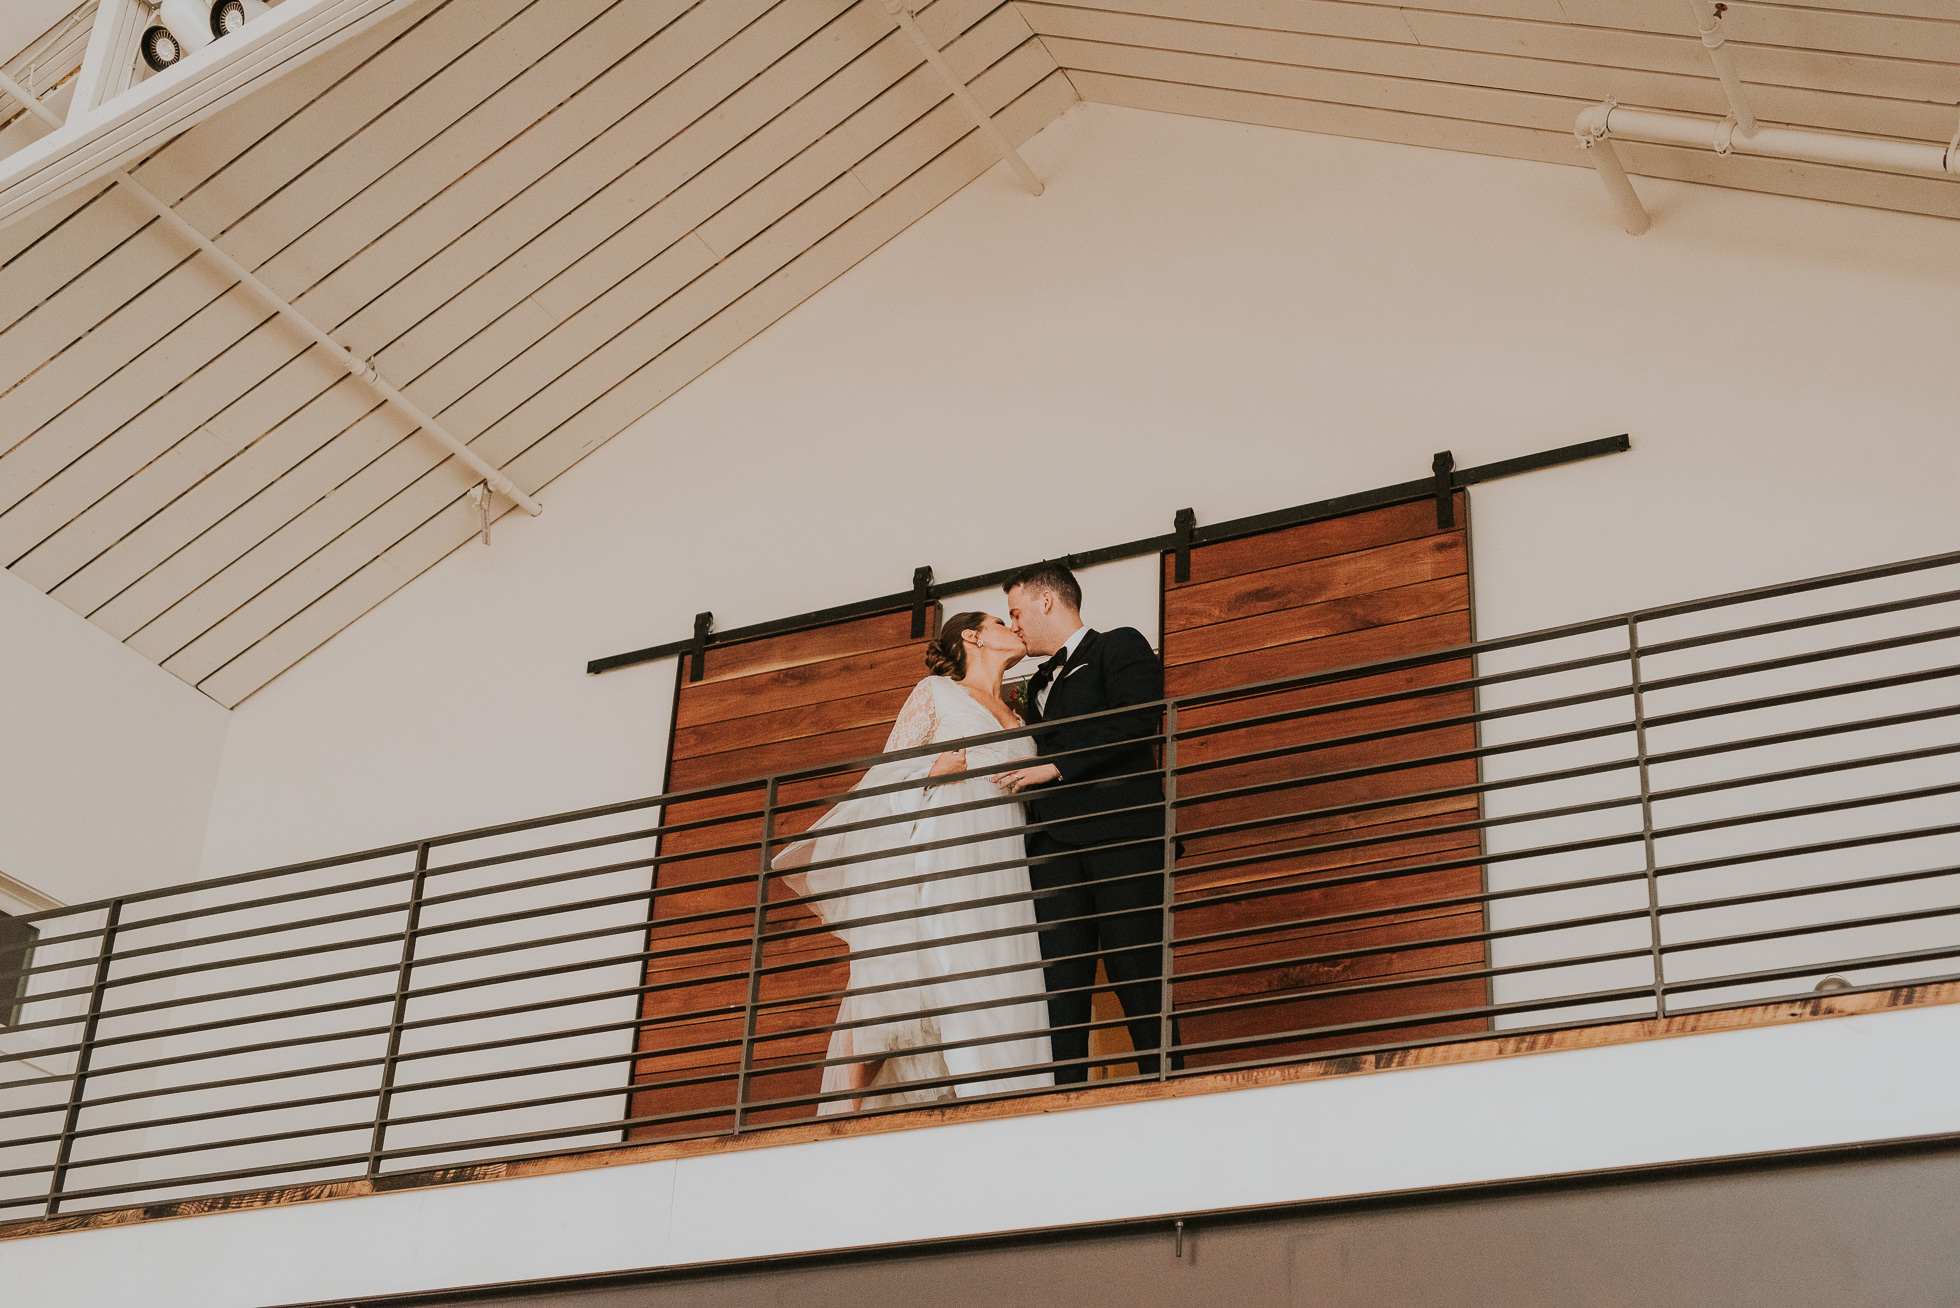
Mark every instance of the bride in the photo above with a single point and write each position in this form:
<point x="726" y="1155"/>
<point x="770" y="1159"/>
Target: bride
<point x="910" y="928"/>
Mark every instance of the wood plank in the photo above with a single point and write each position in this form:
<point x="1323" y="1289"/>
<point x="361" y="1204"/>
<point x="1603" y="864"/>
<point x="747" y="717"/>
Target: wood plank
<point x="878" y="707"/>
<point x="702" y="347"/>
<point x="126" y="586"/>
<point x="1689" y="90"/>
<point x="1349" y="649"/>
<point x="522" y="379"/>
<point x="1230" y="600"/>
<point x="812" y="645"/>
<point x="761" y="760"/>
<point x="1311" y="621"/>
<point x="659" y="148"/>
<point x="549" y="54"/>
<point x="1315" y="540"/>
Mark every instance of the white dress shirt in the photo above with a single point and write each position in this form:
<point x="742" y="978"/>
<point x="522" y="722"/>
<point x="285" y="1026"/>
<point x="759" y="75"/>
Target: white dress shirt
<point x="1065" y="653"/>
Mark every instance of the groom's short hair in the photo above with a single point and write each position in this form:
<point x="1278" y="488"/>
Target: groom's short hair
<point x="1051" y="577"/>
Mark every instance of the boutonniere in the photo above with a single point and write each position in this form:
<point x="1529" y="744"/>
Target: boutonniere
<point x="1014" y="694"/>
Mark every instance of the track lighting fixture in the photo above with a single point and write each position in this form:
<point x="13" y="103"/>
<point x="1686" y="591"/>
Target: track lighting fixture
<point x="183" y="26"/>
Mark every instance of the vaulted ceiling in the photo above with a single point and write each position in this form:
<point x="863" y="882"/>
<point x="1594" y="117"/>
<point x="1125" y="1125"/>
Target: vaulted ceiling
<point x="542" y="217"/>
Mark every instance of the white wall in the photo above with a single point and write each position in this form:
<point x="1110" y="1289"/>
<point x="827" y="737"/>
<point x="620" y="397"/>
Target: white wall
<point x="1201" y="313"/>
<point x="107" y="762"/>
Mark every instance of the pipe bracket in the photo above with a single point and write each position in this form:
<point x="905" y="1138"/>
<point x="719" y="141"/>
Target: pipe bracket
<point x="1725" y="136"/>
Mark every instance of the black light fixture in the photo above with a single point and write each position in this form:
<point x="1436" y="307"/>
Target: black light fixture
<point x="160" y="48"/>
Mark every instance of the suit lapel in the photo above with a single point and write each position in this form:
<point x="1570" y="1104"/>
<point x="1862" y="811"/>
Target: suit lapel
<point x="1075" y="660"/>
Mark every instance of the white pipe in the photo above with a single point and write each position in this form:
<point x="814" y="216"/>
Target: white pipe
<point x="979" y="115"/>
<point x="1633" y="214"/>
<point x="1708" y="20"/>
<point x="1803" y="144"/>
<point x="355" y="366"/>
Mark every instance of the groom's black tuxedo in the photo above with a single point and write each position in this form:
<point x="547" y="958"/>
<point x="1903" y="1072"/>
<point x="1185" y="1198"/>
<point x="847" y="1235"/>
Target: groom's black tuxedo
<point x="1098" y="870"/>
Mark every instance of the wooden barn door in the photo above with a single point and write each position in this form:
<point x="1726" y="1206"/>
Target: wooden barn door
<point x="1374" y="585"/>
<point x="800" y="700"/>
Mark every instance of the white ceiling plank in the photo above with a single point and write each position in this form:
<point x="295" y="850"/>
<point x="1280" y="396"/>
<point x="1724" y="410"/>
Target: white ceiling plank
<point x="260" y="521"/>
<point x="65" y="407"/>
<point x="707" y="166"/>
<point x="519" y="165"/>
<point x="593" y="42"/>
<point x="1326" y="17"/>
<point x="900" y="157"/>
<point x="1699" y="93"/>
<point x="1817" y="70"/>
<point x="125" y="478"/>
<point x="309" y="631"/>
<point x="228" y="186"/>
<point x="62" y="253"/>
<point x="1747" y="23"/>
<point x="91" y="299"/>
<point x="446" y="298"/>
<point x="163" y="559"/>
<point x="173" y="172"/>
<point x="714" y="204"/>
<point x="178" y="468"/>
<point x="492" y="59"/>
<point x="710" y="206"/>
<point x="1404" y="95"/>
<point x="1896" y="8"/>
<point x="199" y="157"/>
<point x="16" y="237"/>
<point x="596" y="371"/>
<point x="455" y="524"/>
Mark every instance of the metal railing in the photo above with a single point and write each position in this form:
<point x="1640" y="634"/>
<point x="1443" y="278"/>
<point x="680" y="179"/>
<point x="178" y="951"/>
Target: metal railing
<point x="1695" y="806"/>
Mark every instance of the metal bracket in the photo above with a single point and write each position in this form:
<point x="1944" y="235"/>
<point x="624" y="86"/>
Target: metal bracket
<point x="1178" y="1251"/>
<point x="1442" y="466"/>
<point x="480" y="496"/>
<point x="697" y="658"/>
<point x="1184" y="524"/>
<point x="921" y="600"/>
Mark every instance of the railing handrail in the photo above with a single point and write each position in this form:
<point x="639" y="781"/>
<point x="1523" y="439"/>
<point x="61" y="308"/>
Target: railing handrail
<point x="1347" y="672"/>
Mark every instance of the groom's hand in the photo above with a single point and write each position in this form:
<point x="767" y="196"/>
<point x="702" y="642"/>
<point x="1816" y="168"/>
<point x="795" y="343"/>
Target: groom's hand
<point x="1022" y="778"/>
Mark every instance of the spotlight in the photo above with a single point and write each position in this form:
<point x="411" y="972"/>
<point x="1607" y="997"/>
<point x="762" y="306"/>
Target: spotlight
<point x="228" y="16"/>
<point x="189" y="23"/>
<point x="160" y="49"/>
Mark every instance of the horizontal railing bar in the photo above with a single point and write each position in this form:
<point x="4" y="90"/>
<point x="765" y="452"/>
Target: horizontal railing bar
<point x="1675" y="646"/>
<point x="1813" y="888"/>
<point x="1828" y="966"/>
<point x="1811" y="929"/>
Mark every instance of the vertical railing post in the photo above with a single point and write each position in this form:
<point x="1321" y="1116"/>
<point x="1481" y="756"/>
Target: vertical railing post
<point x="1647" y="816"/>
<point x="84" y="1055"/>
<point x="754" y="1000"/>
<point x="1165" y="1035"/>
<point x="385" y="1097"/>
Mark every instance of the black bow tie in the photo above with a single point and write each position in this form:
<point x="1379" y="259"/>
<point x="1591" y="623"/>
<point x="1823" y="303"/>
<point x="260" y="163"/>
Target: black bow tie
<point x="1047" y="671"/>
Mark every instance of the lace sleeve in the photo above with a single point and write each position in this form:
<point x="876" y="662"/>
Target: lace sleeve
<point x="916" y="720"/>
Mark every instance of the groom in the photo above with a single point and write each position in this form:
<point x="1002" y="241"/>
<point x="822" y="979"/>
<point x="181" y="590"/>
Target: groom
<point x="1097" y="866"/>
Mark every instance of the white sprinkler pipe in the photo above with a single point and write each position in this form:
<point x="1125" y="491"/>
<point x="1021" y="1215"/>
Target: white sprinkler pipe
<point x="357" y="367"/>
<point x="910" y="25"/>
<point x="1598" y="125"/>
<point x="1708" y="21"/>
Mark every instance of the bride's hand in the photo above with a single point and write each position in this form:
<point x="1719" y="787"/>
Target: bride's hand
<point x="953" y="761"/>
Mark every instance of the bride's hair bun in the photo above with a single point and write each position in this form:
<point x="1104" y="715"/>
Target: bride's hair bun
<point x="946" y="654"/>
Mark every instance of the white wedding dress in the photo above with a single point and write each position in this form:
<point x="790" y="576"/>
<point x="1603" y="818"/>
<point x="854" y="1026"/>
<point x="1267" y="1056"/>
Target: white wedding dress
<point x="902" y="970"/>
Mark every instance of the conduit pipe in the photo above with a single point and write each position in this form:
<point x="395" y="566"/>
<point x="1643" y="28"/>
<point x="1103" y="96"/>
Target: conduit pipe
<point x="900" y="9"/>
<point x="1708" y="20"/>
<point x="1599" y="125"/>
<point x="357" y="367"/>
